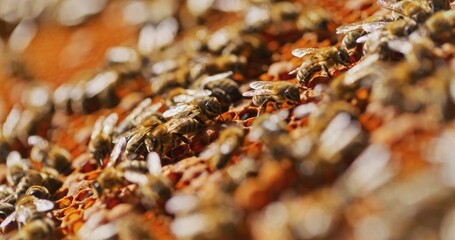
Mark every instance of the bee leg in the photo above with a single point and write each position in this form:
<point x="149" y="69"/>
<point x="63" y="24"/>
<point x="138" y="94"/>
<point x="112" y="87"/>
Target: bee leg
<point x="326" y="70"/>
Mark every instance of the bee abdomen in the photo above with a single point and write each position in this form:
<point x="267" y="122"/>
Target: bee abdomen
<point x="190" y="126"/>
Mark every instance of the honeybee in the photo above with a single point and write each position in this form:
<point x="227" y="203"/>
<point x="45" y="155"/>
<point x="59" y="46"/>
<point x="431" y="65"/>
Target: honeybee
<point x="31" y="178"/>
<point x="315" y="19"/>
<point x="271" y="130"/>
<point x="39" y="229"/>
<point x="15" y="168"/>
<point x="439" y="26"/>
<point x="28" y="209"/>
<point x="276" y="92"/>
<point x="100" y="144"/>
<point x="107" y="180"/>
<point x="220" y="152"/>
<point x="222" y="87"/>
<point x="126" y="61"/>
<point x="195" y="101"/>
<point x="356" y="30"/>
<point x="142" y="111"/>
<point x="164" y="135"/>
<point x="206" y="64"/>
<point x="51" y="155"/>
<point x="319" y="59"/>
<point x="419" y="11"/>
<point x="134" y="165"/>
<point x="135" y="137"/>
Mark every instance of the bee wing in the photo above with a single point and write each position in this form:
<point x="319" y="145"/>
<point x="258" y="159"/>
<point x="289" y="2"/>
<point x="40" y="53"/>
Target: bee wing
<point x="216" y="77"/>
<point x="261" y="84"/>
<point x="390" y="4"/>
<point x="43" y="205"/>
<point x="135" y="177"/>
<point x="109" y="123"/>
<point x="209" y="151"/>
<point x="36" y="140"/>
<point x="8" y="220"/>
<point x="166" y="31"/>
<point x="349" y="28"/>
<point x="181" y="109"/>
<point x="301" y="52"/>
<point x="363" y="38"/>
<point x="136" y="135"/>
<point x="400" y="45"/>
<point x="258" y="92"/>
<point x="373" y="26"/>
<point x="13" y="158"/>
<point x="154" y="163"/>
<point x="175" y="122"/>
<point x="119" y="147"/>
<point x="98" y="128"/>
<point x="228" y="146"/>
<point x="11" y="122"/>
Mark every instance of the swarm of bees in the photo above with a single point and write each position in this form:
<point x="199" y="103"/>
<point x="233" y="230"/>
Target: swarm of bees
<point x="200" y="129"/>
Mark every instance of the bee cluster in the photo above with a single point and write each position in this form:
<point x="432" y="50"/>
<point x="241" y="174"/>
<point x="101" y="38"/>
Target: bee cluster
<point x="233" y="120"/>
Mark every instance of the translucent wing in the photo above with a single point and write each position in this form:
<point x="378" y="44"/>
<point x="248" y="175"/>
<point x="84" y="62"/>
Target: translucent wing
<point x="258" y="92"/>
<point x="135" y="177"/>
<point x="389" y="4"/>
<point x="228" y="146"/>
<point x="43" y="205"/>
<point x="191" y="95"/>
<point x="14" y="158"/>
<point x="261" y="84"/>
<point x="8" y="220"/>
<point x="373" y="26"/>
<point x="175" y="122"/>
<point x="36" y="140"/>
<point x="349" y="28"/>
<point x="109" y="123"/>
<point x="301" y="52"/>
<point x="181" y="110"/>
<point x="119" y="147"/>
<point x="216" y="77"/>
<point x="98" y="128"/>
<point x="166" y="31"/>
<point x="400" y="45"/>
<point x="11" y="122"/>
<point x="154" y="163"/>
<point x="209" y="151"/>
<point x="136" y="135"/>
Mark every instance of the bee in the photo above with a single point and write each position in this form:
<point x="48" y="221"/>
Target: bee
<point x="154" y="188"/>
<point x="319" y="59"/>
<point x="135" y="137"/>
<point x="31" y="178"/>
<point x="220" y="152"/>
<point x="126" y="61"/>
<point x="107" y="180"/>
<point x="100" y="144"/>
<point x="195" y="101"/>
<point x="222" y="87"/>
<point x="51" y="155"/>
<point x="316" y="19"/>
<point x="142" y="111"/>
<point x="418" y="11"/>
<point x="356" y="30"/>
<point x="184" y="122"/>
<point x="39" y="229"/>
<point x="276" y="92"/>
<point x="27" y="210"/>
<point x="439" y="5"/>
<point x="439" y="26"/>
<point x="166" y="81"/>
<point x="271" y="130"/>
<point x="15" y="168"/>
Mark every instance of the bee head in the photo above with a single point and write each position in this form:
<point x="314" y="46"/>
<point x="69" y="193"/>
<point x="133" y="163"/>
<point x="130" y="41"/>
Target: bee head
<point x="292" y="94"/>
<point x="343" y="57"/>
<point x="38" y="191"/>
<point x="213" y="107"/>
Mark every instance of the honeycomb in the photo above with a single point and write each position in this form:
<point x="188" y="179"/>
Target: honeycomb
<point x="217" y="119"/>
